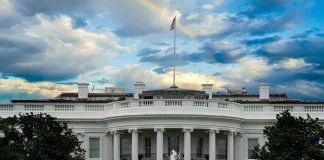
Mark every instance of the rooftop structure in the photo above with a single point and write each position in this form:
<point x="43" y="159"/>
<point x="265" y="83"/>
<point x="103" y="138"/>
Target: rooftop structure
<point x="149" y="124"/>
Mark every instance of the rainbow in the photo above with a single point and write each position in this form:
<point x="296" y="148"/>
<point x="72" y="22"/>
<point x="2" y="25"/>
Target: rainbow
<point x="164" y="14"/>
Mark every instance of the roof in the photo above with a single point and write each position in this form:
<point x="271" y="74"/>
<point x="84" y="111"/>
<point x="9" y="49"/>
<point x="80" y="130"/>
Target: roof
<point x="281" y="102"/>
<point x="60" y="100"/>
<point x="62" y="95"/>
<point x="249" y="95"/>
<point x="173" y="91"/>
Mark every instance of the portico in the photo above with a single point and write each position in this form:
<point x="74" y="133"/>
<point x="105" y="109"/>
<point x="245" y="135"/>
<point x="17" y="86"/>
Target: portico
<point x="157" y="143"/>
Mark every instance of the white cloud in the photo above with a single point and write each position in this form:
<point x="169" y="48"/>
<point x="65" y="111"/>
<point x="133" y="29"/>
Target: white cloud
<point x="129" y="74"/>
<point x="47" y="89"/>
<point x="214" y="4"/>
<point x="247" y="69"/>
<point x="210" y="24"/>
<point x="293" y="63"/>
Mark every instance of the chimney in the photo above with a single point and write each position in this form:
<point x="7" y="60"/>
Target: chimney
<point x="83" y="90"/>
<point x="138" y="87"/>
<point x="208" y="88"/>
<point x="264" y="91"/>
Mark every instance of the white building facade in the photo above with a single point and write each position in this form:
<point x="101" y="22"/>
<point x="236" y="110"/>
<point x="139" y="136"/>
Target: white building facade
<point x="149" y="124"/>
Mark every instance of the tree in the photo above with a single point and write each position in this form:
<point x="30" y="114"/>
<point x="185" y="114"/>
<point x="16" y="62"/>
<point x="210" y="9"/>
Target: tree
<point x="292" y="138"/>
<point x="39" y="137"/>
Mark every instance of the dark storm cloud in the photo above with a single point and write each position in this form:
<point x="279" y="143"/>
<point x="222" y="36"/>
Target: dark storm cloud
<point x="260" y="41"/>
<point x="14" y="51"/>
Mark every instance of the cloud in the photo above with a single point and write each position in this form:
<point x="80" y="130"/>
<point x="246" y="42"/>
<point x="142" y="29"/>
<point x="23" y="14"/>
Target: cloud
<point x="147" y="51"/>
<point x="305" y="34"/>
<point x="227" y="24"/>
<point x="211" y="52"/>
<point x="44" y="89"/>
<point x="305" y="88"/>
<point x="50" y="48"/>
<point x="214" y="4"/>
<point x="293" y="63"/>
<point x="131" y="15"/>
<point x="309" y="48"/>
<point x="8" y="15"/>
<point x="129" y="74"/>
<point x="261" y="41"/>
<point x="257" y="7"/>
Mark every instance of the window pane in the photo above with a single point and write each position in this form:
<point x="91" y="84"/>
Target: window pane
<point x="147" y="147"/>
<point x="174" y="144"/>
<point x="124" y="146"/>
<point x="199" y="147"/>
<point x="252" y="142"/>
<point x="94" y="147"/>
<point x="221" y="148"/>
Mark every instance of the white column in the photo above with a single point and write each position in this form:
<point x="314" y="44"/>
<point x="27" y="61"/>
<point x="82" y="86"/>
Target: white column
<point x="230" y="145"/>
<point x="116" y="145"/>
<point x="212" y="144"/>
<point x="134" y="143"/>
<point x="159" y="143"/>
<point x="187" y="143"/>
<point x="110" y="147"/>
<point x="238" y="146"/>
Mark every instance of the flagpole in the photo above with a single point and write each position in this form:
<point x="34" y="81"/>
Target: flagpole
<point x="174" y="49"/>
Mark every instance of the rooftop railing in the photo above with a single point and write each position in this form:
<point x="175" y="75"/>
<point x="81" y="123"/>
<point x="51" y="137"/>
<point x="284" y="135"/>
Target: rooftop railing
<point x="164" y="106"/>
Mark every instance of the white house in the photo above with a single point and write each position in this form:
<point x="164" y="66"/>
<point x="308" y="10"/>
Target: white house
<point x="149" y="124"/>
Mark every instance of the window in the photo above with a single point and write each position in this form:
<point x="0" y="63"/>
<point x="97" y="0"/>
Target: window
<point x="147" y="147"/>
<point x="124" y="146"/>
<point x="221" y="148"/>
<point x="199" y="146"/>
<point x="94" y="147"/>
<point x="252" y="142"/>
<point x="173" y="144"/>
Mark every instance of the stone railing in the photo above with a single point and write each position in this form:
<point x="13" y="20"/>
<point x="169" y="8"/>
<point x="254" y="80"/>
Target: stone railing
<point x="164" y="106"/>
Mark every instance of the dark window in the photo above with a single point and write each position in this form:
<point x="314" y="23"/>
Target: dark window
<point x="252" y="142"/>
<point x="147" y="147"/>
<point x="124" y="146"/>
<point x="199" y="146"/>
<point x="221" y="148"/>
<point x="173" y="144"/>
<point x="94" y="147"/>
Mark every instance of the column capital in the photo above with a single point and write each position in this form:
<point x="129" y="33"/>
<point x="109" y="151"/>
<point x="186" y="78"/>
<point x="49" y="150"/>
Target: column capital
<point x="212" y="131"/>
<point x="158" y="129"/>
<point x="232" y="132"/>
<point x="187" y="129"/>
<point x="113" y="132"/>
<point x="133" y="130"/>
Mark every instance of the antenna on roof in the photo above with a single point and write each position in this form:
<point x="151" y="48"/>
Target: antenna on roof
<point x="93" y="88"/>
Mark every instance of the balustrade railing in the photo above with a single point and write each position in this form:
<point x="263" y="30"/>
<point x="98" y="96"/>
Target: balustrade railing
<point x="6" y="107"/>
<point x="212" y="105"/>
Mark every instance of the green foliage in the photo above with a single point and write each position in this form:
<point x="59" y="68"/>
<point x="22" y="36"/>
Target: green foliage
<point x="123" y="98"/>
<point x="39" y="137"/>
<point x="292" y="138"/>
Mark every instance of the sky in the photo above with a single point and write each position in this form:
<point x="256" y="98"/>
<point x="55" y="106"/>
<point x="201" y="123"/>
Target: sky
<point x="47" y="47"/>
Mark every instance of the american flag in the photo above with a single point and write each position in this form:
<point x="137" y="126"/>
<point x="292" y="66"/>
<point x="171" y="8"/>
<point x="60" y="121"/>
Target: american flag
<point x="173" y="24"/>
